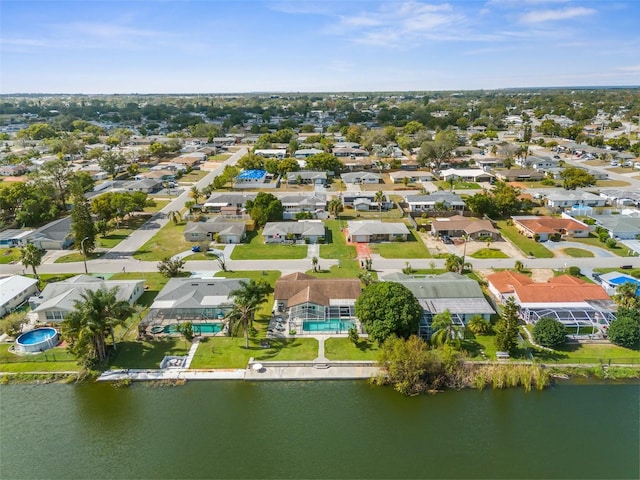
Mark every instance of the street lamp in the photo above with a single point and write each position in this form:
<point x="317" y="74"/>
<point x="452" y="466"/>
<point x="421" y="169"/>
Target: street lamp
<point x="84" y="254"/>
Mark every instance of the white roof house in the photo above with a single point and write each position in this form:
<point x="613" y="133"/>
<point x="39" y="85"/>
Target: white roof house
<point x="569" y="198"/>
<point x="14" y="291"/>
<point x="364" y="231"/>
<point x="59" y="298"/>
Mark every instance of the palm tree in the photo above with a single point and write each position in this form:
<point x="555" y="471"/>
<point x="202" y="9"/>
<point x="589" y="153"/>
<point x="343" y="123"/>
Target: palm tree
<point x="31" y="256"/>
<point x="195" y="193"/>
<point x="247" y="299"/>
<point x="335" y="207"/>
<point x="175" y="216"/>
<point x="379" y="198"/>
<point x="445" y="331"/>
<point x="478" y="325"/>
<point x="314" y="263"/>
<point x="518" y="266"/>
<point x="94" y="317"/>
<point x="626" y="296"/>
<point x="454" y="263"/>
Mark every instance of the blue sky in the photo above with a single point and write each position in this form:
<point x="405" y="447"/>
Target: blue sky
<point x="220" y="46"/>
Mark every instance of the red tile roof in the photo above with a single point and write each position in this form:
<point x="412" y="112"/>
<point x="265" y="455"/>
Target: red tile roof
<point x="505" y="281"/>
<point x="550" y="224"/>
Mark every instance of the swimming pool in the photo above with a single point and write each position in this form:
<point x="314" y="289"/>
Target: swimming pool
<point x="198" y="328"/>
<point x="332" y="325"/>
<point x="37" y="340"/>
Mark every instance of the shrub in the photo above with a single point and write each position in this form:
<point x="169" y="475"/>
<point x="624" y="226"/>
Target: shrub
<point x="574" y="271"/>
<point x="624" y="332"/>
<point x="612" y="242"/>
<point x="536" y="237"/>
<point x="556" y="237"/>
<point x="550" y="333"/>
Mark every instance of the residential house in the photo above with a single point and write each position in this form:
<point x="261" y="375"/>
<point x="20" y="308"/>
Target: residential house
<point x="435" y="202"/>
<point x="251" y="177"/>
<point x="468" y="175"/>
<point x="218" y="230"/>
<point x="12" y="170"/>
<point x="278" y="153"/>
<point x="232" y="203"/>
<point x="317" y="304"/>
<point x="519" y="175"/>
<point x="366" y="231"/>
<point x="306" y="177"/>
<point x="305" y="231"/>
<point x="197" y="300"/>
<point x="361" y="177"/>
<point x="351" y="199"/>
<point x="192" y="159"/>
<point x="567" y="299"/>
<point x="14" y="291"/>
<point x="411" y="177"/>
<point x="622" y="227"/>
<point x="59" y="299"/>
<point x="14" y="237"/>
<point x="570" y="198"/>
<point x="147" y="185"/>
<point x="459" y="226"/>
<point x="162" y="175"/>
<point x="306" y="153"/>
<point x="621" y="198"/>
<point x="315" y="204"/>
<point x="460" y="295"/>
<point x="542" y="228"/>
<point x="56" y="235"/>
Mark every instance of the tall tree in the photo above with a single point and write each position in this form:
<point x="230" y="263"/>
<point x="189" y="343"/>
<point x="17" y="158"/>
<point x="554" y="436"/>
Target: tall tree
<point x="57" y="173"/>
<point x="335" y="207"/>
<point x="626" y="296"/>
<point x="31" y="256"/>
<point x="83" y="226"/>
<point x="94" y="318"/>
<point x="265" y="208"/>
<point x="435" y="153"/>
<point x="388" y="308"/>
<point x="379" y="199"/>
<point x="195" y="193"/>
<point x="507" y="328"/>
<point x="247" y="299"/>
<point x="111" y="162"/>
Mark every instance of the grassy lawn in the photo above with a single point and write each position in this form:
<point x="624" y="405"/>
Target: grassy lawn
<point x="227" y="352"/>
<point x="133" y="354"/>
<point x="166" y="243"/>
<point x="612" y="183"/>
<point x="270" y="276"/>
<point x="193" y="176"/>
<point x="336" y="246"/>
<point x="592" y="240"/>
<point x="346" y="269"/>
<point x="528" y="246"/>
<point x="588" y="353"/>
<point x="258" y="250"/>
<point x="53" y="360"/>
<point x="578" y="252"/>
<point x="344" y="349"/>
<point x="490" y="253"/>
<point x="412" y="248"/>
<point x="458" y="185"/>
<point x="9" y="255"/>
<point x="78" y="257"/>
<point x="159" y="205"/>
<point x="221" y="157"/>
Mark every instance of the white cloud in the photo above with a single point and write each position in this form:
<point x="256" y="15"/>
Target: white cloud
<point x="630" y="69"/>
<point x="539" y="16"/>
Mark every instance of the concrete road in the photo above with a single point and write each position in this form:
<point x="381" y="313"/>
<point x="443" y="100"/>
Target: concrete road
<point x="133" y="242"/>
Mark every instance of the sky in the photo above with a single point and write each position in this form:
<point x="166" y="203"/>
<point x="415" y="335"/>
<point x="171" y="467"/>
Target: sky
<point x="237" y="46"/>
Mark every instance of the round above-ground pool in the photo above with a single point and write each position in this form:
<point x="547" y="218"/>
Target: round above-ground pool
<point x="37" y="340"/>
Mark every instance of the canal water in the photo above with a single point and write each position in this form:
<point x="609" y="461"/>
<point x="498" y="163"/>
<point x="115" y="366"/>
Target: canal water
<point x="340" y="429"/>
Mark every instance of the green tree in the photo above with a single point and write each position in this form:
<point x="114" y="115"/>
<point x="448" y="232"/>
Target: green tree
<point x="83" y="226"/>
<point x="175" y="217"/>
<point x="94" y="317"/>
<point x="335" y="207"/>
<point x="171" y="267"/>
<point x="409" y="366"/>
<point x="195" y="193"/>
<point x="574" y="177"/>
<point x="379" y="199"/>
<point x="247" y="298"/>
<point x="626" y="296"/>
<point x="11" y="324"/>
<point x="445" y="331"/>
<point x="506" y="329"/>
<point x="112" y="162"/>
<point x="550" y="333"/>
<point x="454" y="263"/>
<point x="31" y="256"/>
<point x="438" y="151"/>
<point x="37" y="131"/>
<point x="57" y="173"/>
<point x="265" y="208"/>
<point x="324" y="162"/>
<point x="625" y="332"/>
<point x="478" y="325"/>
<point x="388" y="308"/>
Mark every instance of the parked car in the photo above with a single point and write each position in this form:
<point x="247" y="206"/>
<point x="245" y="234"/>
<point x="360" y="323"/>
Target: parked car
<point x="196" y="248"/>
